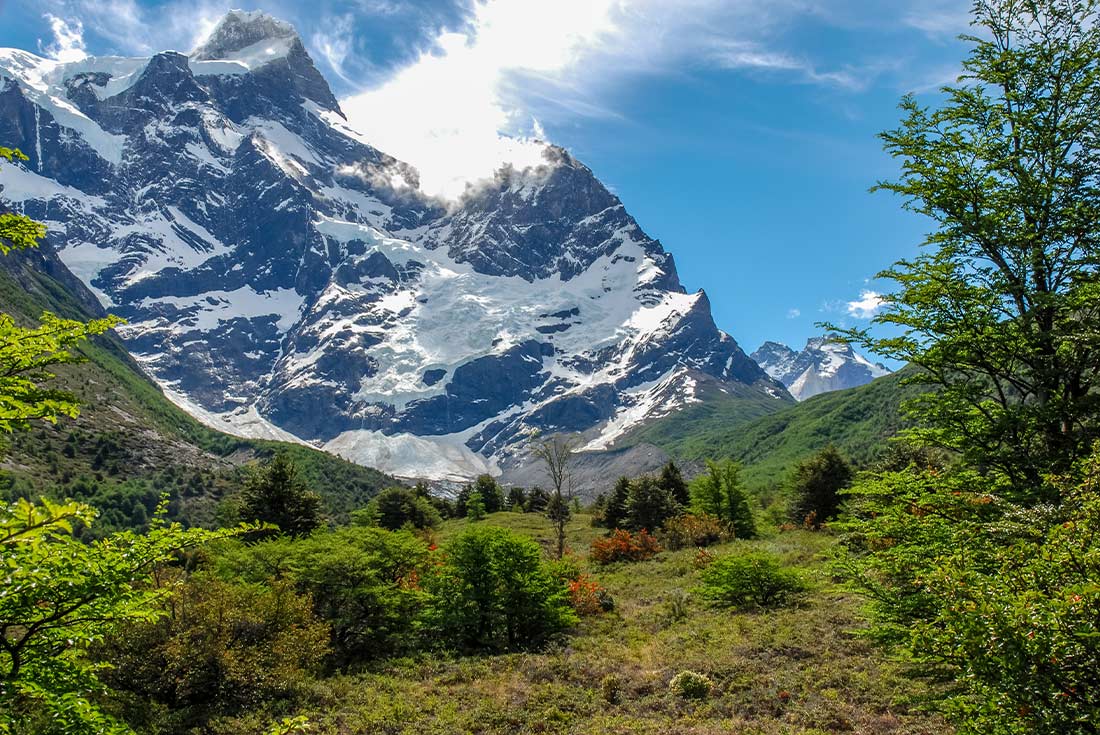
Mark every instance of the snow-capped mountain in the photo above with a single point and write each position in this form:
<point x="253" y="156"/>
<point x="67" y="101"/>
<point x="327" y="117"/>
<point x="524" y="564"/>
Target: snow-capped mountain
<point x="823" y="365"/>
<point x="283" y="278"/>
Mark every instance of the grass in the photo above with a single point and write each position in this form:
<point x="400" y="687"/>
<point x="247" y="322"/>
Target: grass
<point x="798" y="670"/>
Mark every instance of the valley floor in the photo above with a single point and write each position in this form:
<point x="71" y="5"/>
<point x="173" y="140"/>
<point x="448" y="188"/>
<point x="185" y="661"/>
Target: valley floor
<point x="797" y="671"/>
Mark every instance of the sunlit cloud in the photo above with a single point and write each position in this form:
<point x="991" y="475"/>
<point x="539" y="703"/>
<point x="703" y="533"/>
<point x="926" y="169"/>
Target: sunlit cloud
<point x="866" y="306"/>
<point x="68" y="39"/>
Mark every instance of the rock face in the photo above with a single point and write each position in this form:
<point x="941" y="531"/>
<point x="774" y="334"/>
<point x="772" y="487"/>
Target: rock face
<point x="283" y="278"/>
<point x="823" y="365"/>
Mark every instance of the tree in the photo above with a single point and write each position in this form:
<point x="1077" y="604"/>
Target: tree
<point x="494" y="592"/>
<point x="27" y="354"/>
<point x="475" y="506"/>
<point x="276" y="494"/>
<point x="816" y="485"/>
<point x="721" y="494"/>
<point x="59" y="596"/>
<point x="556" y="455"/>
<point x="649" y="505"/>
<point x="517" y="499"/>
<point x="618" y="505"/>
<point x="491" y="493"/>
<point x="396" y="507"/>
<point x="1001" y="312"/>
<point x="673" y="482"/>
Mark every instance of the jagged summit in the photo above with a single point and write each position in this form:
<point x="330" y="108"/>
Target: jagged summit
<point x="241" y="29"/>
<point x="282" y="278"/>
<point x="825" y="364"/>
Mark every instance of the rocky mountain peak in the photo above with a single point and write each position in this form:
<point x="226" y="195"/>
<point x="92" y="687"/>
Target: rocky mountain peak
<point x="240" y="30"/>
<point x="825" y="364"/>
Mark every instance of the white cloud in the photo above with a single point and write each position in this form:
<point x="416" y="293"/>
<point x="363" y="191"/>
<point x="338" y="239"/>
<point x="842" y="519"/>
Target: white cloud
<point x="462" y="110"/>
<point x="68" y="39"/>
<point x="448" y="112"/>
<point x="866" y="306"/>
<point x="794" y="313"/>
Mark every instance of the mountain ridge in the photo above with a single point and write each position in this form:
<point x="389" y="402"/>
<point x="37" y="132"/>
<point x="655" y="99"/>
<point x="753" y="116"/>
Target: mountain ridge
<point x="284" y="278"/>
<point x="825" y="364"/>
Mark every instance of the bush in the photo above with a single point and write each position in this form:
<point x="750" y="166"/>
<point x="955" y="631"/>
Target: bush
<point x="816" y="486"/>
<point x="397" y="507"/>
<point x="611" y="689"/>
<point x="493" y="591"/>
<point x="585" y="596"/>
<point x="625" y="546"/>
<point x="721" y="493"/>
<point x="693" y="531"/>
<point x="691" y="685"/>
<point x="650" y="505"/>
<point x="751" y="580"/>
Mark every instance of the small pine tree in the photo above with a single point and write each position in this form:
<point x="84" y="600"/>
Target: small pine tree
<point x="517" y="499"/>
<point x="673" y="483"/>
<point x="276" y="494"/>
<point x="537" y="500"/>
<point x="816" y="484"/>
<point x="615" y="512"/>
<point x="650" y="505"/>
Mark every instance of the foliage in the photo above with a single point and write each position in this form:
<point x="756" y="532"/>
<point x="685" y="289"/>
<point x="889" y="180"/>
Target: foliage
<point x="60" y="596"/>
<point x="649" y="504"/>
<point x="396" y="507"/>
<point x="622" y="545"/>
<point x="753" y="579"/>
<point x="673" y="482"/>
<point x="1001" y="312"/>
<point x="220" y="649"/>
<point x="365" y="583"/>
<point x="274" y="493"/>
<point x="691" y="685"/>
<point x="720" y="493"/>
<point x="494" y="592"/>
<point x="474" y="506"/>
<point x="816" y="484"/>
<point x="693" y="531"/>
<point x="17" y="231"/>
<point x="617" y="507"/>
<point x="999" y="597"/>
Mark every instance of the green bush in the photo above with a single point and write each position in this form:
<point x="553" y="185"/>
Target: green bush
<point x="691" y="685"/>
<point x="494" y="592"/>
<point x="397" y="507"/>
<point x="755" y="579"/>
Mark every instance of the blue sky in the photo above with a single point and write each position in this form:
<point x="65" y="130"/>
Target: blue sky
<point x="741" y="133"/>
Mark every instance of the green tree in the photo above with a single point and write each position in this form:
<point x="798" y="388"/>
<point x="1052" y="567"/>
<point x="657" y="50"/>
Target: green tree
<point x="275" y="494"/>
<point x="557" y="455"/>
<point x="491" y="493"/>
<point x="59" y="596"/>
<point x="495" y="592"/>
<point x="396" y="507"/>
<point x="816" y="484"/>
<point x="517" y="499"/>
<point x="649" y="504"/>
<point x="673" y="482"/>
<point x="617" y="507"/>
<point x="1000" y="312"/>
<point x="475" y="506"/>
<point x="721" y="493"/>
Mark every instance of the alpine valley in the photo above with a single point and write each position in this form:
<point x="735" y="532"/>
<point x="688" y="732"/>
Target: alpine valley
<point x="283" y="279"/>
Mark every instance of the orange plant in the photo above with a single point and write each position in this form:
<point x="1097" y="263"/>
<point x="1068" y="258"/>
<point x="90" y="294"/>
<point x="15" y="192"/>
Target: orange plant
<point x="584" y="595"/>
<point x="625" y="546"/>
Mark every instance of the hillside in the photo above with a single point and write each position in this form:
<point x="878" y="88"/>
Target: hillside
<point x="130" y="443"/>
<point x="857" y="420"/>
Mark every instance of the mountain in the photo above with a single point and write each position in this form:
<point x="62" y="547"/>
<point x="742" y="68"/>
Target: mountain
<point x="859" y="421"/>
<point x="284" y="279"/>
<point x="130" y="444"/>
<point x="823" y="365"/>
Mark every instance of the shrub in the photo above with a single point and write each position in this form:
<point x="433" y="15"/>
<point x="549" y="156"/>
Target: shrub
<point x="751" y="580"/>
<point x="396" y="507"/>
<point x="691" y="685"/>
<point x="611" y="689"/>
<point x="650" y="505"/>
<point x="721" y="493"/>
<point x="703" y="559"/>
<point x="625" y="546"/>
<point x="816" y="486"/>
<point x="584" y="595"/>
<point x="493" y="591"/>
<point x="693" y="531"/>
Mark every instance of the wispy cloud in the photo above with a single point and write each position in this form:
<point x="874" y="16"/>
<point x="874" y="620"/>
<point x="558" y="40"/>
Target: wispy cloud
<point x="794" y="313"/>
<point x="866" y="306"/>
<point x="750" y="55"/>
<point x="68" y="39"/>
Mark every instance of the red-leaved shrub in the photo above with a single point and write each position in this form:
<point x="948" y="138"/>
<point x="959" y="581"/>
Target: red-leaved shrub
<point x="625" y="546"/>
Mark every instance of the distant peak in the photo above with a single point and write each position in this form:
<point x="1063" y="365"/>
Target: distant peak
<point x="239" y="30"/>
